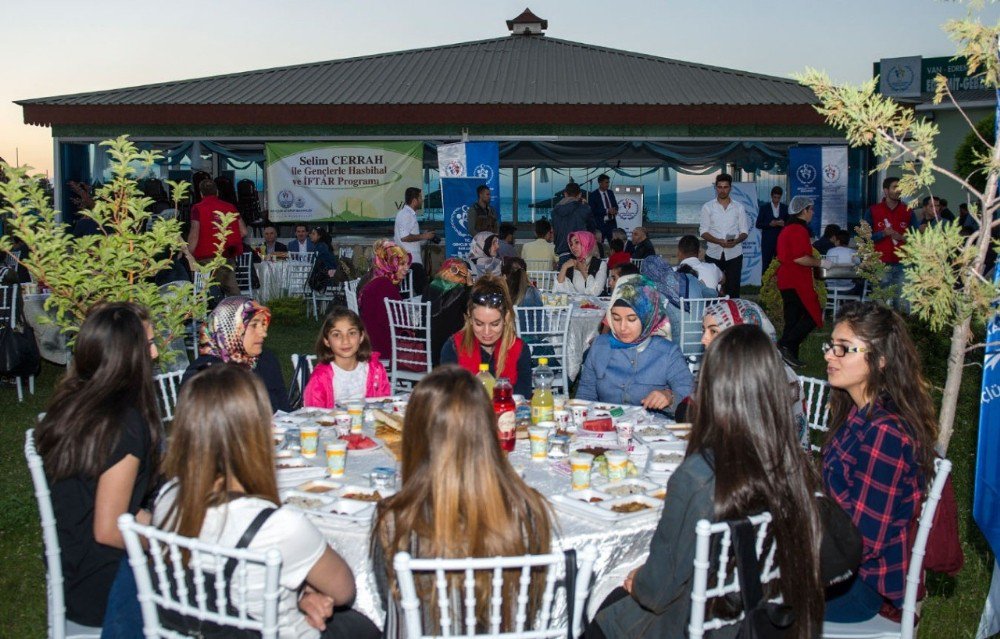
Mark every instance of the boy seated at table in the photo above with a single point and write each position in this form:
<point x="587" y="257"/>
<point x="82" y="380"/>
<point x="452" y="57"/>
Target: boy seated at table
<point x="634" y="363"/>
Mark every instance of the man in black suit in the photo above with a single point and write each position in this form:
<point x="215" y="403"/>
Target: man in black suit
<point x="771" y="218"/>
<point x="271" y="243"/>
<point x="604" y="206"/>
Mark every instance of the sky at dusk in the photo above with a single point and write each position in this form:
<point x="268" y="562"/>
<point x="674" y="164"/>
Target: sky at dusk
<point x="58" y="47"/>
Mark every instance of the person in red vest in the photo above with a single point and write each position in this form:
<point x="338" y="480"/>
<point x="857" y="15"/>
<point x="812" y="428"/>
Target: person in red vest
<point x="203" y="237"/>
<point x="490" y="337"/>
<point x="889" y="220"/>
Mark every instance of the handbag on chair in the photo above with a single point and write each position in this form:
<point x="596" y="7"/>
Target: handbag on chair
<point x="764" y="619"/>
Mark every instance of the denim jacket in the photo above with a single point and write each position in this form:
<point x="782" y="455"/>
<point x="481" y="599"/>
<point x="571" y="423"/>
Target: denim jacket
<point x="628" y="375"/>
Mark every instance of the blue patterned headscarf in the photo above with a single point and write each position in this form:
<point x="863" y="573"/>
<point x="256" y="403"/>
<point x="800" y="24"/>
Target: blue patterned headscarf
<point x="640" y="293"/>
<point x="664" y="277"/>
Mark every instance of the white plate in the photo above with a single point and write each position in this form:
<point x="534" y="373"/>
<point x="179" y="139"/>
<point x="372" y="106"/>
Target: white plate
<point x="305" y="501"/>
<point x="586" y="494"/>
<point x="637" y="487"/>
<point x="319" y="487"/>
<point x="364" y="490"/>
<point x="576" y="507"/>
<point x="364" y="451"/>
<point x="655" y="506"/>
<point x="351" y="508"/>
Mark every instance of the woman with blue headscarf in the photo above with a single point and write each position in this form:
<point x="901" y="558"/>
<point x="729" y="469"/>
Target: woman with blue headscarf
<point x="634" y="363"/>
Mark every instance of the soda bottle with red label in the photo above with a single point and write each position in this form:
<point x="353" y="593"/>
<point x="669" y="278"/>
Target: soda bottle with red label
<point x="506" y="412"/>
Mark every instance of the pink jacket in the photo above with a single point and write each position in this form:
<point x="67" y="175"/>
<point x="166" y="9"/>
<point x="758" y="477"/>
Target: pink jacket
<point x="319" y="390"/>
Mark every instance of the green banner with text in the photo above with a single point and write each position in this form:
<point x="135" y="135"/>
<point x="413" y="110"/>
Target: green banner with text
<point x="340" y="181"/>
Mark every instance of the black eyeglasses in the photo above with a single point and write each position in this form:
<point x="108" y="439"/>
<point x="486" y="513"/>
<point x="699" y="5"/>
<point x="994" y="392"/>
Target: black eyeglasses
<point x="839" y="350"/>
<point x="494" y="299"/>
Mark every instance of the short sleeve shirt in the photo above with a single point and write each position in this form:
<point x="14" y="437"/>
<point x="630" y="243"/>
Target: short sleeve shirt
<point x="89" y="567"/>
<point x="349" y="386"/>
<point x="406" y="224"/>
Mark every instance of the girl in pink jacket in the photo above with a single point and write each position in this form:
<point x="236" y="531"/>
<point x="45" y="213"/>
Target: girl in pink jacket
<point x="348" y="370"/>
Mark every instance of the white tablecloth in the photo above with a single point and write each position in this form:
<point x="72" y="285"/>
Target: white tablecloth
<point x="272" y="276"/>
<point x="620" y="546"/>
<point x="584" y="325"/>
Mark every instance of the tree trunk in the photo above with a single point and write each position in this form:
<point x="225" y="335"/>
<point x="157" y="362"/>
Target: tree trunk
<point x="952" y="384"/>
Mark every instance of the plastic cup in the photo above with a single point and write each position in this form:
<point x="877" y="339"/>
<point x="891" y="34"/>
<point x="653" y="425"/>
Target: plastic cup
<point x="399" y="407"/>
<point x="357" y="413"/>
<point x="343" y="420"/>
<point x="624" y="433"/>
<point x="563" y="417"/>
<point x="308" y="440"/>
<point x="617" y="465"/>
<point x="580" y="412"/>
<point x="336" y="458"/>
<point x="383" y="479"/>
<point x="538" y="436"/>
<point x="559" y="402"/>
<point x="581" y="463"/>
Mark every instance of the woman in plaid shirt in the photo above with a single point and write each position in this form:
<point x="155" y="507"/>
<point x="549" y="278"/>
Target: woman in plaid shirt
<point x="880" y="454"/>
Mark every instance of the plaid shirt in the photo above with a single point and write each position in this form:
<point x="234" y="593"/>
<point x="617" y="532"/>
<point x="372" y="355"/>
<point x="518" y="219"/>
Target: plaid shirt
<point x="870" y="468"/>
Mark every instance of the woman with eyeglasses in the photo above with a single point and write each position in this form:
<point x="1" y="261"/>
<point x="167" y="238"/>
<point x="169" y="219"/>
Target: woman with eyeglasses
<point x="448" y="293"/>
<point x="634" y="363"/>
<point x="585" y="273"/>
<point x="879" y="457"/>
<point x="489" y="336"/>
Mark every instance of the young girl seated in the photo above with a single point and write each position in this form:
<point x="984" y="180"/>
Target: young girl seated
<point x="348" y="370"/>
<point x="218" y="489"/>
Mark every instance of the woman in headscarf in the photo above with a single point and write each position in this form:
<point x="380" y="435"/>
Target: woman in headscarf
<point x="448" y="294"/>
<point x="390" y="263"/>
<point x="235" y="332"/>
<point x="483" y="254"/>
<point x="795" y="280"/>
<point x="634" y="363"/>
<point x="721" y="315"/>
<point x="585" y="273"/>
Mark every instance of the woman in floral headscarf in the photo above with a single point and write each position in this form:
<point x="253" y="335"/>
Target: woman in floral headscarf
<point x="448" y="294"/>
<point x="723" y="314"/>
<point x="634" y="363"/>
<point x="235" y="332"/>
<point x="585" y="273"/>
<point x="390" y="263"/>
<point x="483" y="254"/>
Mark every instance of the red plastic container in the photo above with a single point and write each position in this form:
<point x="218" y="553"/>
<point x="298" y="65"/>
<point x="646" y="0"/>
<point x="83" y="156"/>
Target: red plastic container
<point x="506" y="412"/>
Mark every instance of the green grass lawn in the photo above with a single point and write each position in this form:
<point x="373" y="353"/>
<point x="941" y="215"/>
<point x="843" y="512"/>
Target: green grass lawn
<point x="952" y="609"/>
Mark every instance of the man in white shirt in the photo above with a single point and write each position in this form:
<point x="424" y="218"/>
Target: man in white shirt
<point x="688" y="262"/>
<point x="843" y="254"/>
<point x="724" y="226"/>
<point x="407" y="235"/>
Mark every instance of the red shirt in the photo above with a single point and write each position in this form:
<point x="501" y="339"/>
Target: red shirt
<point x="882" y="217"/>
<point x="204" y="213"/>
<point x="793" y="243"/>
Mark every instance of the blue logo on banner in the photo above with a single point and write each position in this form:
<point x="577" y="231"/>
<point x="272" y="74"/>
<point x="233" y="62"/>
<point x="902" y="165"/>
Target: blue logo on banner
<point x="457" y="194"/>
<point x="802" y="173"/>
<point x="806" y="174"/>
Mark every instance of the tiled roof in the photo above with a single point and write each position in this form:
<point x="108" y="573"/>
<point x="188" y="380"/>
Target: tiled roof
<point x="512" y="70"/>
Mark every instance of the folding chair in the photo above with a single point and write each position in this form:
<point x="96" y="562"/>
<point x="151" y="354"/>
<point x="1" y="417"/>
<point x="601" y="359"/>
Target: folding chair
<point x="835" y="296"/>
<point x="244" y="277"/>
<point x="406" y="286"/>
<point x="544" y="330"/>
<point x="815" y="397"/>
<point x="195" y="589"/>
<point x="351" y="293"/>
<point x="410" y="327"/>
<point x="9" y="316"/>
<point x="167" y="387"/>
<point x="326" y="295"/>
<point x="297" y="272"/>
<point x="539" y="265"/>
<point x="637" y="263"/>
<point x="59" y="626"/>
<point x="302" y="369"/>
<point x="727" y="580"/>
<point x="692" y="313"/>
<point x="544" y="281"/>
<point x="454" y="583"/>
<point x="879" y="627"/>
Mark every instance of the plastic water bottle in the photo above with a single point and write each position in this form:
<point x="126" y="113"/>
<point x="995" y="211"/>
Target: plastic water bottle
<point x="487" y="379"/>
<point x="505" y="410"/>
<point x="542" y="402"/>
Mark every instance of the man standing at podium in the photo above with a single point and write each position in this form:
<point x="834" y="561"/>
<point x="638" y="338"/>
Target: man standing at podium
<point x="604" y="206"/>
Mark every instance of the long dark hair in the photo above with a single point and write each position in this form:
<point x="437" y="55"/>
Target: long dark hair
<point x="747" y="429"/>
<point x="324" y="353"/>
<point x="894" y="371"/>
<point x="515" y="272"/>
<point x="460" y="496"/>
<point x="111" y="373"/>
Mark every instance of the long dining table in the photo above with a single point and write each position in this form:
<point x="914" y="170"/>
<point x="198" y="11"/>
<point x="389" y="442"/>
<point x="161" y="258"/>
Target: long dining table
<point x="622" y="541"/>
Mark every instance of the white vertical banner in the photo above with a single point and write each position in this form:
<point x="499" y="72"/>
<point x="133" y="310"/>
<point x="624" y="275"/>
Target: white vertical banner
<point x="746" y="194"/>
<point x="834" y="193"/>
<point x="630" y="201"/>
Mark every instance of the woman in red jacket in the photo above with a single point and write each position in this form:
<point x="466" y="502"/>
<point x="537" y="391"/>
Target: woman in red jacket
<point x="795" y="280"/>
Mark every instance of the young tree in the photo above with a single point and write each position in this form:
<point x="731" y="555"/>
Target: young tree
<point x="120" y="261"/>
<point x="944" y="269"/>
